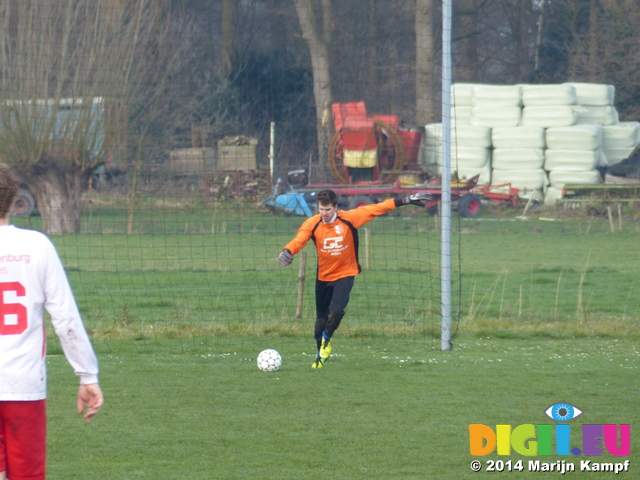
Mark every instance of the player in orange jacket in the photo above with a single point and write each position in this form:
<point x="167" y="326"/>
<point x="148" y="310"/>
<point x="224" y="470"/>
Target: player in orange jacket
<point x="335" y="234"/>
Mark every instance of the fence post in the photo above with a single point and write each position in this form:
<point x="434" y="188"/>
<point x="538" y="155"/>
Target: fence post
<point x="301" y="277"/>
<point x="620" y="217"/>
<point x="610" y="216"/>
<point x="367" y="246"/>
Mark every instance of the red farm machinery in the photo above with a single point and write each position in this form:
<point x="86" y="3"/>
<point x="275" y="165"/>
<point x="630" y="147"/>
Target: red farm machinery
<point x="372" y="157"/>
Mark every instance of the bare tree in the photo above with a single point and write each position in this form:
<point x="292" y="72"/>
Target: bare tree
<point x="228" y="14"/>
<point x="72" y="73"/>
<point x="425" y="111"/>
<point x="594" y="41"/>
<point x="465" y="36"/>
<point x="318" y="38"/>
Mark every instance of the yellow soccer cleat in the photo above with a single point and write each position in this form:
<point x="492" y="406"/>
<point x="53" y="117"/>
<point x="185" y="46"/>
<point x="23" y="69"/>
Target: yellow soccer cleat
<point x="325" y="349"/>
<point x="319" y="363"/>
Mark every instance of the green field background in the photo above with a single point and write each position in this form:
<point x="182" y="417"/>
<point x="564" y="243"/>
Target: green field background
<point x="546" y="311"/>
<point x="211" y="273"/>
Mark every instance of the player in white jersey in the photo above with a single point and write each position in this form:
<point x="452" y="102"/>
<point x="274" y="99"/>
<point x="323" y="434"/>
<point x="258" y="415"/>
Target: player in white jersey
<point x="32" y="279"/>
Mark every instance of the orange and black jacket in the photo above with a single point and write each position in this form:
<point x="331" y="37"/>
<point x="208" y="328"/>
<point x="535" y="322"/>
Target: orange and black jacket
<point x="337" y="242"/>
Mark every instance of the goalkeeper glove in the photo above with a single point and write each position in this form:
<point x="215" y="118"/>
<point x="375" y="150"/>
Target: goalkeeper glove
<point x="285" y="258"/>
<point x="417" y="198"/>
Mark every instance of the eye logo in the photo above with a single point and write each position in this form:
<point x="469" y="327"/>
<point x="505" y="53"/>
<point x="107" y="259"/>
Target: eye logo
<point x="562" y="412"/>
<point x="531" y="440"/>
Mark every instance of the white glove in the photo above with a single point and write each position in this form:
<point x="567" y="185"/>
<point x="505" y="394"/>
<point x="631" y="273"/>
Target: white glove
<point x="285" y="258"/>
<point x="417" y="198"/>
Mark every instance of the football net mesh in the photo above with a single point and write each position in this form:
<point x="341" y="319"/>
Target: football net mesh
<point x="208" y="273"/>
<point x="177" y="250"/>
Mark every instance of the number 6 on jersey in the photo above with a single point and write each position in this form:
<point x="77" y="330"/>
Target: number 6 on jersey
<point x="13" y="316"/>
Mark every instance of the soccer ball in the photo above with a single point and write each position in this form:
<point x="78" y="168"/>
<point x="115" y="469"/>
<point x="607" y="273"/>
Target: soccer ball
<point x="269" y="360"/>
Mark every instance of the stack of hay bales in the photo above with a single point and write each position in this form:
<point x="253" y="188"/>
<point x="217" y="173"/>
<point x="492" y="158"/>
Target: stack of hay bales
<point x="541" y="136"/>
<point x="549" y="106"/>
<point x="574" y="154"/>
<point x="470" y="151"/>
<point x="518" y="158"/>
<point x="596" y="103"/>
<point x="496" y="106"/>
<point x="461" y="102"/>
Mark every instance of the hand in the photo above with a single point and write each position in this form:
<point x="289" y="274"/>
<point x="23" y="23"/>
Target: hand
<point x="417" y="198"/>
<point x="285" y="258"/>
<point x="91" y="397"/>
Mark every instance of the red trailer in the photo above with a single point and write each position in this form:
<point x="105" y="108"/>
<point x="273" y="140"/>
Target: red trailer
<point x="371" y="157"/>
<point x="467" y="203"/>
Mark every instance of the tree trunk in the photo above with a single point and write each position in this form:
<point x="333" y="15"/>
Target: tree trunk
<point x="277" y="27"/>
<point x="466" y="18"/>
<point x="592" y="59"/>
<point x="393" y="92"/>
<point x="424" y="62"/>
<point x="59" y="197"/>
<point x="228" y="14"/>
<point x="538" y="46"/>
<point x="372" y="56"/>
<point x="523" y="63"/>
<point x="319" y="52"/>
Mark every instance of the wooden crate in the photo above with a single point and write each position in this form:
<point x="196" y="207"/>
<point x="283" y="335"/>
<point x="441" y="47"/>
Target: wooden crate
<point x="239" y="156"/>
<point x="191" y="161"/>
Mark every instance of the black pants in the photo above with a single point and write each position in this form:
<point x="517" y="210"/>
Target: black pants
<point x="331" y="300"/>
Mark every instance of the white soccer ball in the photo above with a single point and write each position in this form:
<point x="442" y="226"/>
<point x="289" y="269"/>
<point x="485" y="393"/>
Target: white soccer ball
<point x="269" y="360"/>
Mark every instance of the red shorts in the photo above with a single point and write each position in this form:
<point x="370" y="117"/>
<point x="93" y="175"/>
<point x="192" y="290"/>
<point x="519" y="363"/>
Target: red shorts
<point x="23" y="439"/>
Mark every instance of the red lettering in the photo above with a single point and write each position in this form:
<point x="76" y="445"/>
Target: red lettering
<point x="13" y="316"/>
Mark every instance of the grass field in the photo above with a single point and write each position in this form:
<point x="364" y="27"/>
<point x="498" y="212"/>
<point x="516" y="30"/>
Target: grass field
<point x="399" y="412"/>
<point x="548" y="313"/>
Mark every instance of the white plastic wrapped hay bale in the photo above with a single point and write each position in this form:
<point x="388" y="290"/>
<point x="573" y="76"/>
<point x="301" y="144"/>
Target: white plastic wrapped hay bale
<point x="495" y="116"/>
<point x="549" y="116"/>
<point x="552" y="195"/>
<point x="462" y="93"/>
<point x="467" y="135"/>
<point x="471" y="136"/>
<point x="469" y="157"/>
<point x="461" y="114"/>
<point x="574" y="160"/>
<point x="620" y="140"/>
<point x="517" y="158"/>
<point x="465" y="157"/>
<point x="560" y="178"/>
<point x="432" y="135"/>
<point x="527" y="181"/>
<point x="593" y="93"/>
<point x="605" y="115"/>
<point x="518" y="137"/>
<point x="548" y="95"/>
<point x="576" y="137"/>
<point x="496" y="96"/>
<point x="496" y="106"/>
<point x="431" y="156"/>
<point x="616" y="155"/>
<point x="623" y="134"/>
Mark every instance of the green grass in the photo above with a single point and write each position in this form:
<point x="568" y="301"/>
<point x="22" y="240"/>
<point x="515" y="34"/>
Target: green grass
<point x="565" y="278"/>
<point x="397" y="412"/>
<point x="544" y="312"/>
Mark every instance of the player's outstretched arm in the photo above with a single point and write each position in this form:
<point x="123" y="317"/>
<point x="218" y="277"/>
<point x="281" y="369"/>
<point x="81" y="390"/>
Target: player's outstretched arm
<point x="90" y="396"/>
